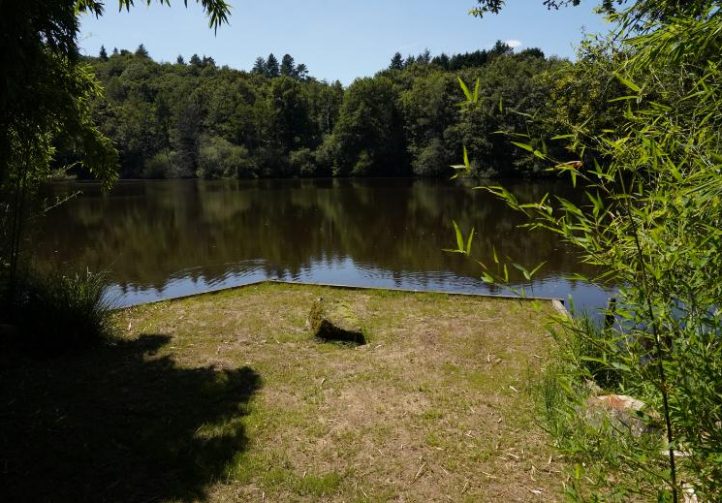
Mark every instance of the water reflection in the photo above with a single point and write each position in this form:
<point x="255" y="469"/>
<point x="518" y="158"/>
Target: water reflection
<point x="172" y="238"/>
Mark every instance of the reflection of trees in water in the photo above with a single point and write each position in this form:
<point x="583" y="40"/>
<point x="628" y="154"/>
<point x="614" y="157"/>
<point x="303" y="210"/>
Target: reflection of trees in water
<point x="145" y="232"/>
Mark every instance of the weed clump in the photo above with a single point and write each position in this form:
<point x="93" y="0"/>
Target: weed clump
<point x="335" y="322"/>
<point x="55" y="312"/>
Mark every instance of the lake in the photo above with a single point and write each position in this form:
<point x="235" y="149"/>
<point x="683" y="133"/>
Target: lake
<point x="164" y="239"/>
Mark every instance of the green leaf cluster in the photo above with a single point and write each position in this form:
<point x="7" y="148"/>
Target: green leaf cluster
<point x="47" y="92"/>
<point x="653" y="223"/>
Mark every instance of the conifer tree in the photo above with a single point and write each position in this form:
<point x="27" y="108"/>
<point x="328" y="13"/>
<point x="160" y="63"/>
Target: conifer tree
<point x="179" y="60"/>
<point x="301" y="71"/>
<point x="501" y="49"/>
<point x="272" y="67"/>
<point x="259" y="67"/>
<point x="424" y="58"/>
<point x="533" y="52"/>
<point x="397" y="62"/>
<point x="442" y="60"/>
<point x="103" y="55"/>
<point x="288" y="66"/>
<point x="141" y="51"/>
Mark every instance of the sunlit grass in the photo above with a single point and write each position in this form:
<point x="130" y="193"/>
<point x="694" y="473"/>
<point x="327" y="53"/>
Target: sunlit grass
<point x="426" y="411"/>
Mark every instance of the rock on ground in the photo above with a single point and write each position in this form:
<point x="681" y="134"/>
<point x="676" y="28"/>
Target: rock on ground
<point x="624" y="411"/>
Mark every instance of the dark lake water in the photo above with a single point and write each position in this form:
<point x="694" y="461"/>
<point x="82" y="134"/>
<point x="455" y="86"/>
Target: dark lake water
<point x="164" y="239"/>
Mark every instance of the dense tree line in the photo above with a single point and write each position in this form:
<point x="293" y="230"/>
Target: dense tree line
<point x="198" y="119"/>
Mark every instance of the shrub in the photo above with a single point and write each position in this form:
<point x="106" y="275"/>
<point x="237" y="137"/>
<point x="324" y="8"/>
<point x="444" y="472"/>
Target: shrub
<point x="56" y="312"/>
<point x="303" y="162"/>
<point x="161" y="165"/>
<point x="326" y="156"/>
<point x="219" y="158"/>
<point x="651" y="223"/>
<point x="364" y="164"/>
<point x="431" y="160"/>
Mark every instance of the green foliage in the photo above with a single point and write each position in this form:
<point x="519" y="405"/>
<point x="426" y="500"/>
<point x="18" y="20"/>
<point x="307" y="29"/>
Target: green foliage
<point x="218" y="158"/>
<point x="288" y="66"/>
<point x="501" y="106"/>
<point x="154" y="112"/>
<point x="495" y="6"/>
<point x="397" y="62"/>
<point x="431" y="110"/>
<point x="216" y="10"/>
<point x="303" y="163"/>
<point x="272" y="67"/>
<point x="404" y="121"/>
<point x="142" y="52"/>
<point x="61" y="115"/>
<point x="611" y="461"/>
<point x="55" y="312"/>
<point x="432" y="159"/>
<point x="46" y="97"/>
<point x="581" y="100"/>
<point x="318" y="486"/>
<point x="369" y="132"/>
<point x="652" y="224"/>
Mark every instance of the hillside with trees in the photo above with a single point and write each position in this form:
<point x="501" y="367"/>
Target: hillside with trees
<point x="196" y="119"/>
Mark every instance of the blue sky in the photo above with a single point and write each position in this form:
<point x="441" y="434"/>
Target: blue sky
<point x="336" y="39"/>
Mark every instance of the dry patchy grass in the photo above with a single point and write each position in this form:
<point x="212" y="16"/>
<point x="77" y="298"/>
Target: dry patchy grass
<point x="433" y="408"/>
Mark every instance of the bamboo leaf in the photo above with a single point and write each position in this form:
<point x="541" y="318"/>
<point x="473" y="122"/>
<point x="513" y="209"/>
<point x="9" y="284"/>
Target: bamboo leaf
<point x="525" y="146"/>
<point x="593" y="360"/>
<point x="623" y="98"/>
<point x="464" y="88"/>
<point x="537" y="268"/>
<point x="523" y="271"/>
<point x="631" y="85"/>
<point x="459" y="237"/>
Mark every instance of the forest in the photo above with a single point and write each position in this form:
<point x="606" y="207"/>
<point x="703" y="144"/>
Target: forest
<point x="196" y="119"/>
<point x="630" y="399"/>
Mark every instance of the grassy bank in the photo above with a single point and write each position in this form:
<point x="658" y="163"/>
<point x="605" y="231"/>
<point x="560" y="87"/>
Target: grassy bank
<point x="226" y="397"/>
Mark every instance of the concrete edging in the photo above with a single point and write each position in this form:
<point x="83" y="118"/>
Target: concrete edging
<point x="557" y="303"/>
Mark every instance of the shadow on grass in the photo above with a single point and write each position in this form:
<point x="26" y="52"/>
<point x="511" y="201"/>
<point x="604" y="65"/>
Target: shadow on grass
<point x="118" y="423"/>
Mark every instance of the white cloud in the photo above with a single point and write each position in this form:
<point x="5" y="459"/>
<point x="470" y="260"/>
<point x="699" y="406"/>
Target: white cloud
<point x="514" y="44"/>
